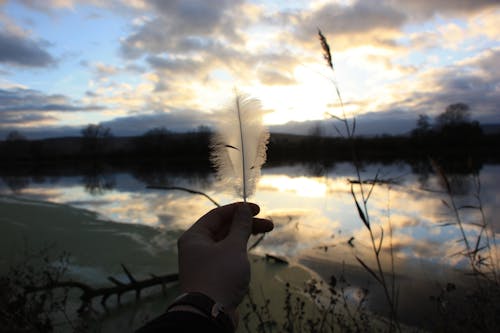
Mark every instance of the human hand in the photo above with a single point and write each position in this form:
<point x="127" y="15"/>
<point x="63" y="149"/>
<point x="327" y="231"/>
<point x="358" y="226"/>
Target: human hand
<point x="213" y="256"/>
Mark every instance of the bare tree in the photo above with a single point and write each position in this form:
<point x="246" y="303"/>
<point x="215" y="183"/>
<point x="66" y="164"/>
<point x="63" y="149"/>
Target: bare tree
<point x="455" y="114"/>
<point x="93" y="131"/>
<point x="95" y="138"/>
<point x="423" y="126"/>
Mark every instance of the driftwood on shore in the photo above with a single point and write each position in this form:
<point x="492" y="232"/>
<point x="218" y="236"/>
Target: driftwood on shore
<point x="119" y="288"/>
<point x="276" y="259"/>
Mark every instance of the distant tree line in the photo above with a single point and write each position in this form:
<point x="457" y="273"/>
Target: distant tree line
<point x="450" y="134"/>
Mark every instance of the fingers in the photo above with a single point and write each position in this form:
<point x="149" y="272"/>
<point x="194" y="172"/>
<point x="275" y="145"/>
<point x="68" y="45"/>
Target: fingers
<point x="260" y="226"/>
<point x="216" y="223"/>
<point x="227" y="212"/>
<point x="243" y="225"/>
<point x="241" y="228"/>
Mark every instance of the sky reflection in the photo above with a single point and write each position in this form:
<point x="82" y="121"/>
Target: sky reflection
<point x="310" y="212"/>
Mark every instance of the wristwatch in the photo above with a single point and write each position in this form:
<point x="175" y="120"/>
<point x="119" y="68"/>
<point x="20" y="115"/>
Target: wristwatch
<point x="207" y="306"/>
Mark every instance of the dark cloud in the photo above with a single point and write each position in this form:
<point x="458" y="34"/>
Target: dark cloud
<point x="473" y="83"/>
<point x="196" y="37"/>
<point x="172" y="64"/>
<point x="194" y="17"/>
<point x="376" y="23"/>
<point x="161" y="86"/>
<point x="45" y="7"/>
<point x="15" y="118"/>
<point x="196" y="43"/>
<point x="488" y="63"/>
<point x="176" y="121"/>
<point x="360" y="23"/>
<point x="21" y="51"/>
<point x="27" y="100"/>
<point x="426" y="9"/>
<point x="183" y="26"/>
<point x="361" y="17"/>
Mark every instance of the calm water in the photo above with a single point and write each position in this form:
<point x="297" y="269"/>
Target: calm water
<point x="312" y="206"/>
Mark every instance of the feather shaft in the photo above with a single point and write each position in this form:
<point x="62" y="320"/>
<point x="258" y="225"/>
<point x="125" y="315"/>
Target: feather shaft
<point x="238" y="148"/>
<point x="242" y="151"/>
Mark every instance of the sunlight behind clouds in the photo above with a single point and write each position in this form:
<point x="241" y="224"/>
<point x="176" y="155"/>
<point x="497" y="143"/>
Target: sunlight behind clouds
<point x="133" y="58"/>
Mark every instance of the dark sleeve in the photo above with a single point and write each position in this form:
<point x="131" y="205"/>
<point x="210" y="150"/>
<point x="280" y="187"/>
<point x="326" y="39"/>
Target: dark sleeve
<point x="179" y="322"/>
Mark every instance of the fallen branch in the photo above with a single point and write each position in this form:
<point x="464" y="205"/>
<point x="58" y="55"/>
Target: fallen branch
<point x="276" y="259"/>
<point x="119" y="288"/>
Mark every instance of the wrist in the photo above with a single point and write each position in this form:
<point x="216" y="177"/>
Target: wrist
<point x="204" y="305"/>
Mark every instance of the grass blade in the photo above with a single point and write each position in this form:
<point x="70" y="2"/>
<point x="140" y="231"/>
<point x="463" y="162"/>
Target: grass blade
<point x="360" y="211"/>
<point x="381" y="240"/>
<point x="369" y="270"/>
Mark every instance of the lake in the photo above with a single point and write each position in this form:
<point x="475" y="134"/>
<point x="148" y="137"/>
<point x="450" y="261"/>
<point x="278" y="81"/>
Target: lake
<point x="316" y="220"/>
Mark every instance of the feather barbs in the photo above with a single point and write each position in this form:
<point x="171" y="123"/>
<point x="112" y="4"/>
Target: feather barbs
<point x="239" y="145"/>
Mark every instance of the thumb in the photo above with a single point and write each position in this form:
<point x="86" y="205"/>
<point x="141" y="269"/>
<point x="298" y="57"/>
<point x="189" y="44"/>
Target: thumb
<point x="241" y="227"/>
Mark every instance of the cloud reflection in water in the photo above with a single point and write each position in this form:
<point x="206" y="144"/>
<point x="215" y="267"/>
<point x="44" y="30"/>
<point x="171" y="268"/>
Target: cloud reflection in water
<point x="310" y="212"/>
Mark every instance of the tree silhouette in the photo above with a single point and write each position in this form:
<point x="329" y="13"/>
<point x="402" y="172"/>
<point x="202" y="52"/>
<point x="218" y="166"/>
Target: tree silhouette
<point x="96" y="138"/>
<point x="423" y="125"/>
<point x="16" y="146"/>
<point x="455" y="114"/>
<point x="454" y="126"/>
<point x="93" y="131"/>
<point x="155" y="141"/>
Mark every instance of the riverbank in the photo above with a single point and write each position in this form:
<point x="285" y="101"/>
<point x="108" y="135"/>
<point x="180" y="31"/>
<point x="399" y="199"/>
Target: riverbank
<point x="97" y="247"/>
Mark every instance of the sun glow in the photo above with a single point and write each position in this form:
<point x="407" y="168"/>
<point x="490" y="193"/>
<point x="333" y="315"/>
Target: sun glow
<point x="301" y="186"/>
<point x="308" y="99"/>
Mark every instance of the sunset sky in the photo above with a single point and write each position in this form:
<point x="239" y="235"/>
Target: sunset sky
<point x="138" y="64"/>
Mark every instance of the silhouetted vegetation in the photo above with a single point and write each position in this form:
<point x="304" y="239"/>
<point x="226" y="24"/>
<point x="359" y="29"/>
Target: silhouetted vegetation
<point x="95" y="140"/>
<point x="21" y="311"/>
<point x="452" y="139"/>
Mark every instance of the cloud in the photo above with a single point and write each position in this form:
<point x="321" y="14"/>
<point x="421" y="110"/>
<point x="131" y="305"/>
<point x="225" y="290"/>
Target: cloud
<point x="376" y="23"/>
<point x="8" y="119"/>
<point x="105" y="70"/>
<point x="183" y="26"/>
<point x="424" y="10"/>
<point x="189" y="52"/>
<point x="22" y="51"/>
<point x="28" y="109"/>
<point x="177" y="121"/>
<point x="272" y="77"/>
<point x="173" y="64"/>
<point x="473" y="81"/>
<point x="361" y="17"/>
<point x="48" y="5"/>
<point x="20" y="100"/>
<point x="360" y="23"/>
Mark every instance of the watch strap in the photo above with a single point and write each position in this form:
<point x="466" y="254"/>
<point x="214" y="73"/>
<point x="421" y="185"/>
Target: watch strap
<point x="207" y="306"/>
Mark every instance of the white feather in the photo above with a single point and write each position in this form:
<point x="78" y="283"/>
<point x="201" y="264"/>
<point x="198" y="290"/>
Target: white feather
<point x="239" y="145"/>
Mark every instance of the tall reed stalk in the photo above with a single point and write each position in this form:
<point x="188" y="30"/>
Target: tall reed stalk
<point x="479" y="309"/>
<point x="481" y="252"/>
<point x="361" y="196"/>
